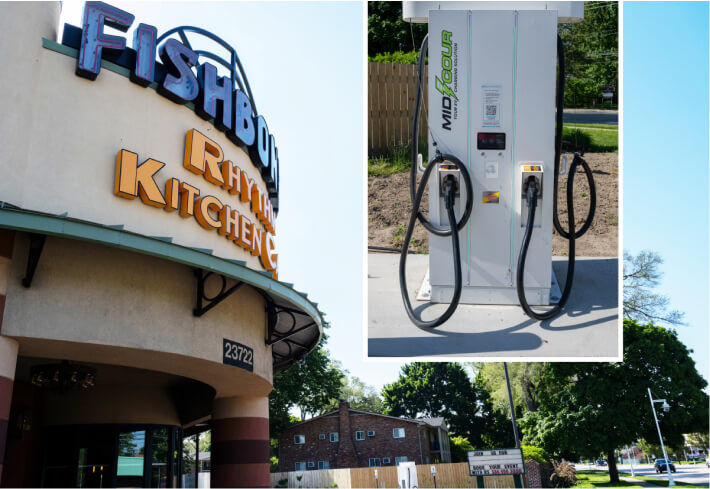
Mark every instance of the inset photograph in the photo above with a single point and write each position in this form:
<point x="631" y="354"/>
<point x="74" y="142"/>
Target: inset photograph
<point x="498" y="120"/>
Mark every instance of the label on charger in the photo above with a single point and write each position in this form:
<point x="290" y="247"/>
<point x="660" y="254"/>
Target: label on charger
<point x="490" y="197"/>
<point x="491" y="105"/>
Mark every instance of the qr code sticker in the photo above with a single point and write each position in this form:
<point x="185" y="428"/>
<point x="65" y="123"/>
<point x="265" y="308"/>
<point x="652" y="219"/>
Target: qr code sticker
<point x="491" y="110"/>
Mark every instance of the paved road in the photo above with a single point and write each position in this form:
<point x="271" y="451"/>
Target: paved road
<point x="692" y="474"/>
<point x="591" y="116"/>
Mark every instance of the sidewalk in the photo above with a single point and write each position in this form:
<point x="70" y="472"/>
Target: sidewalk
<point x="588" y="327"/>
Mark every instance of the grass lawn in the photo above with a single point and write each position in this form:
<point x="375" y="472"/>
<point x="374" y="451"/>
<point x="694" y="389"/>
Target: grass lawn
<point x="591" y="478"/>
<point x="659" y="482"/>
<point x="592" y="126"/>
<point x="593" y="140"/>
<point x="386" y="166"/>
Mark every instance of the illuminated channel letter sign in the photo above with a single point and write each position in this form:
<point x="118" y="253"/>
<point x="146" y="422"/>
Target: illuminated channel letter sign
<point x="496" y="462"/>
<point x="205" y="157"/>
<point x="226" y="101"/>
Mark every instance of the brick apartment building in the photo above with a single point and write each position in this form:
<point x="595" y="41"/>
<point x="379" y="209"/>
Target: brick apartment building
<point x="351" y="438"/>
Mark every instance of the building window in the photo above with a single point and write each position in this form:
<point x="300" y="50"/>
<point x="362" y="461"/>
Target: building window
<point x="300" y="466"/>
<point x="323" y="465"/>
<point x="334" y="437"/>
<point x="375" y="462"/>
<point x="359" y="435"/>
<point x="321" y="436"/>
<point x="311" y="465"/>
<point x="385" y="460"/>
<point x="398" y="433"/>
<point x="370" y="433"/>
<point x="397" y="460"/>
<point x="299" y="439"/>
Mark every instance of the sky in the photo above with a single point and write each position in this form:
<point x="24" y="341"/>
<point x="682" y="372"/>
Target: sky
<point x="304" y="62"/>
<point x="665" y="153"/>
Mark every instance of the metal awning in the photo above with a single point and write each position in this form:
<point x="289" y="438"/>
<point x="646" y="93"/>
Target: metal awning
<point x="294" y="322"/>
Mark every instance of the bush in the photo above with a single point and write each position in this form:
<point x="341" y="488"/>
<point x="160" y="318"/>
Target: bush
<point x="459" y="447"/>
<point x="576" y="139"/>
<point x="274" y="464"/>
<point x="537" y="454"/>
<point x="398" y="57"/>
<point x="564" y="476"/>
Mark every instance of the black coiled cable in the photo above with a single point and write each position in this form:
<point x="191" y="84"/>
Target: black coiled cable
<point x="532" y="190"/>
<point x="416" y="193"/>
<point x="449" y="200"/>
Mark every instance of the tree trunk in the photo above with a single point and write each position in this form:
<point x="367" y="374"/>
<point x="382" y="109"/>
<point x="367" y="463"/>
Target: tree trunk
<point x="613" y="473"/>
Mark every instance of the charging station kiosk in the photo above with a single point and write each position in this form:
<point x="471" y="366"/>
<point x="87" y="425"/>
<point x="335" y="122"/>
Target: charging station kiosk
<point x="492" y="75"/>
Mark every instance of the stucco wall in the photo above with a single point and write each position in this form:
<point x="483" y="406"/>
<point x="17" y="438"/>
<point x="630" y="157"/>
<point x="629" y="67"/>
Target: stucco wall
<point x="95" y="303"/>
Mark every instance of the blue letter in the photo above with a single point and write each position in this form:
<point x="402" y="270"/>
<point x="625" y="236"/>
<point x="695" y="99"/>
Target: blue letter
<point x="144" y="42"/>
<point x="93" y="38"/>
<point x="211" y="92"/>
<point x="243" y="131"/>
<point x="180" y="84"/>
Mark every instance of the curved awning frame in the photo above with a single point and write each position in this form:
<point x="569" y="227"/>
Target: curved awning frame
<point x="294" y="323"/>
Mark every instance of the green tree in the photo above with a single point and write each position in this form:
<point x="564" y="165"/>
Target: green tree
<point x="524" y="379"/>
<point x="591" y="53"/>
<point x="591" y="408"/>
<point x="436" y="389"/>
<point x="309" y="387"/>
<point x="641" y="276"/>
<point x="388" y="32"/>
<point x="360" y="396"/>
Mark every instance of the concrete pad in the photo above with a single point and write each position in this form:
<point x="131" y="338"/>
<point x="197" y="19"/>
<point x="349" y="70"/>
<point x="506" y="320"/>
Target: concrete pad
<point x="588" y="326"/>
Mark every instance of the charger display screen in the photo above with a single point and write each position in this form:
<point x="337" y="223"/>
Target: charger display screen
<point x="491" y="140"/>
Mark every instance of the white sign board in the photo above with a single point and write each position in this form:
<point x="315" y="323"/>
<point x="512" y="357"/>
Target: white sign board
<point x="407" y="475"/>
<point x="505" y="461"/>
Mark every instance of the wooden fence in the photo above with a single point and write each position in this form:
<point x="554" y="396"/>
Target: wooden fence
<point x="390" y="103"/>
<point x="448" y="475"/>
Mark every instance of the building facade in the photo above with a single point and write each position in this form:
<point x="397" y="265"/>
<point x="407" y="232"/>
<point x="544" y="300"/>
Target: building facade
<point x="348" y="438"/>
<point x="139" y="298"/>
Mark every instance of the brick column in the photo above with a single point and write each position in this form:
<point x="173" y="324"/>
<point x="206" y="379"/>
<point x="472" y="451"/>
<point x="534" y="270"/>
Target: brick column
<point x="240" y="442"/>
<point x="8" y="346"/>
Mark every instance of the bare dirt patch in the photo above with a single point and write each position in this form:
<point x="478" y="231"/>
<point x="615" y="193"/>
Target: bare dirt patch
<point x="389" y="207"/>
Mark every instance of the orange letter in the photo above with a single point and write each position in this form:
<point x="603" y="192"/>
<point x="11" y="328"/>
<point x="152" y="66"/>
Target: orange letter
<point x="172" y="193"/>
<point x="187" y="199"/>
<point x="255" y="240"/>
<point x="230" y="174"/>
<point x="245" y="235"/>
<point x="147" y="188"/>
<point x="124" y="182"/>
<point x="230" y="223"/>
<point x="203" y="156"/>
<point x="268" y="257"/>
<point x="202" y="214"/>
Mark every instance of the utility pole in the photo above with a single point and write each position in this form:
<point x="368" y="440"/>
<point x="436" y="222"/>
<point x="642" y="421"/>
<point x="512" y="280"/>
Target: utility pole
<point x="512" y="416"/>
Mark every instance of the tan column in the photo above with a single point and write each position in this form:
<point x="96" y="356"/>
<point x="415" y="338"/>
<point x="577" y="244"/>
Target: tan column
<point x="240" y="442"/>
<point x="8" y="346"/>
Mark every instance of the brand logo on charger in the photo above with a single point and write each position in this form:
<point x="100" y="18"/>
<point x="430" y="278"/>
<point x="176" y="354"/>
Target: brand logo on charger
<point x="442" y="84"/>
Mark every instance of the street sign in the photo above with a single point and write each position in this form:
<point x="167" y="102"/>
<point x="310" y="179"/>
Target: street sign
<point x="433" y="471"/>
<point x="505" y="461"/>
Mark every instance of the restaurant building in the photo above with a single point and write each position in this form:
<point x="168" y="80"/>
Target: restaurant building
<point x="139" y="294"/>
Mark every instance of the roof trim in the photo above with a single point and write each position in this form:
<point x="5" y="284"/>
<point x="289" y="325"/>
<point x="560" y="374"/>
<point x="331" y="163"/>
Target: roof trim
<point x="419" y="421"/>
<point x="160" y="247"/>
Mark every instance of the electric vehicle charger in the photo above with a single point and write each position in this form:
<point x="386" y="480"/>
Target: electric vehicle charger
<point x="417" y="192"/>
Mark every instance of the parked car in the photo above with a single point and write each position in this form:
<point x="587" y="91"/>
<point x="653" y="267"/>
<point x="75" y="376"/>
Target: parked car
<point x="601" y="462"/>
<point x="660" y="465"/>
